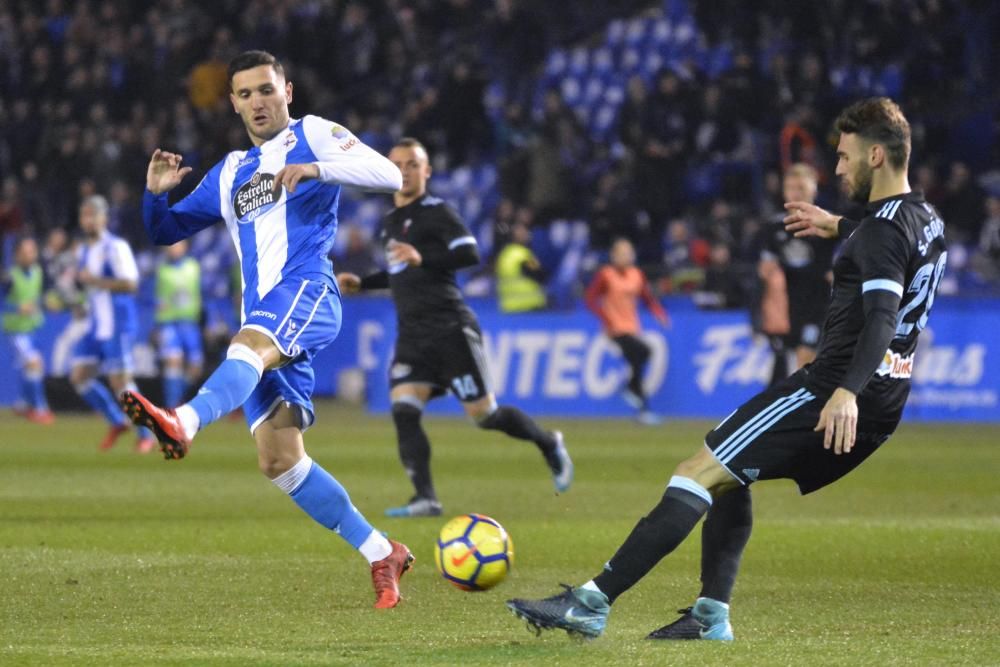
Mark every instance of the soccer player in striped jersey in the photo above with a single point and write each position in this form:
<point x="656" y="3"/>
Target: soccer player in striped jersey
<point x="107" y="271"/>
<point x="279" y="201"/>
<point x="439" y="348"/>
<point x="820" y="423"/>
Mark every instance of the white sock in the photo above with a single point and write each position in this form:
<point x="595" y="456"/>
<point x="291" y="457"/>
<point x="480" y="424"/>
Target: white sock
<point x="591" y="586"/>
<point x="189" y="420"/>
<point x="375" y="547"/>
<point x="290" y="480"/>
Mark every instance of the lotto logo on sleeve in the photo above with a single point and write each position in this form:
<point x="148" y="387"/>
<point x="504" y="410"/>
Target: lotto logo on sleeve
<point x="895" y="366"/>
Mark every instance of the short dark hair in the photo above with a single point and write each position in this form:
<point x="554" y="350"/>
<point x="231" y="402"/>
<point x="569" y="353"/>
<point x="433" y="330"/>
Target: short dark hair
<point x="250" y="59"/>
<point x="410" y="142"/>
<point x="879" y="120"/>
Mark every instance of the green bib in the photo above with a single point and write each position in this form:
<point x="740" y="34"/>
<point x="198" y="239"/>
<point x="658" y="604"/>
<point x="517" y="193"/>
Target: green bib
<point x="178" y="291"/>
<point x="516" y="291"/>
<point x="25" y="288"/>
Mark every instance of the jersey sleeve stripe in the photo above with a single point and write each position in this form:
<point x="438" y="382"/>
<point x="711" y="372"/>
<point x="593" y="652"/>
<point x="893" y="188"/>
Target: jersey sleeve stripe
<point x="882" y="283"/>
<point x="462" y="240"/>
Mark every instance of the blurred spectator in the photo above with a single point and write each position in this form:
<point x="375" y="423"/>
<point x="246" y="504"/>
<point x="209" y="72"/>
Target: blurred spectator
<point x="519" y="274"/>
<point x="359" y="253"/>
<point x="962" y="206"/>
<point x="662" y="149"/>
<point x="986" y="259"/>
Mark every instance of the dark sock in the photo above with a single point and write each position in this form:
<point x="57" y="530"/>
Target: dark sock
<point x="656" y="535"/>
<point x="414" y="448"/>
<point x="724" y="535"/>
<point x="518" y="425"/>
<point x="635" y="385"/>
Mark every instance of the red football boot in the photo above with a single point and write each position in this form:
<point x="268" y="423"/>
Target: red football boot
<point x="114" y="433"/>
<point x="163" y="422"/>
<point x="44" y="417"/>
<point x="386" y="574"/>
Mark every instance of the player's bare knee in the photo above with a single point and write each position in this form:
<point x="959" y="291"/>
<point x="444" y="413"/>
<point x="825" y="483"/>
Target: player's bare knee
<point x="261" y="347"/>
<point x="81" y="374"/>
<point x="706" y="471"/>
<point x="482" y="411"/>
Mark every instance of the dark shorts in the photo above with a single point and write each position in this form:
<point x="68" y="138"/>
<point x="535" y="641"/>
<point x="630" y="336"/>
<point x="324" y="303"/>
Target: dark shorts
<point x="771" y="436"/>
<point x="805" y="322"/>
<point x="452" y="360"/>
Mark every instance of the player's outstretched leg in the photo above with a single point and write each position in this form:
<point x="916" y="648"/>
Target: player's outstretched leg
<point x="224" y="390"/>
<point x="34" y="391"/>
<point x="100" y="398"/>
<point x="279" y="441"/>
<point x="518" y="425"/>
<point x="584" y="610"/>
<point x="415" y="454"/>
<point x="637" y="354"/>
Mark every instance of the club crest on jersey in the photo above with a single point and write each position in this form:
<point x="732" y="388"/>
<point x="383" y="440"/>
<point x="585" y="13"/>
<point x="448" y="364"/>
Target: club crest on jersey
<point x="254" y="197"/>
<point x="289" y="141"/>
<point x="406" y="225"/>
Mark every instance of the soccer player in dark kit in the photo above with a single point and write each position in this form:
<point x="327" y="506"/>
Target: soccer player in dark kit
<point x="805" y="264"/>
<point x="820" y="423"/>
<point x="439" y="347"/>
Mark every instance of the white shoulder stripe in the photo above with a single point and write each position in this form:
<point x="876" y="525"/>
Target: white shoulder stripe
<point x="882" y="283"/>
<point x="888" y="211"/>
<point x="462" y="240"/>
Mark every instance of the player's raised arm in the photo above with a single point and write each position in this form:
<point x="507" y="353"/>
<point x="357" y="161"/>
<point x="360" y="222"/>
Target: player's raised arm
<point x="167" y="224"/>
<point x="343" y="159"/>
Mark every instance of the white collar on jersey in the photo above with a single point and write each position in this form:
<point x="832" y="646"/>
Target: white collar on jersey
<point x="281" y="139"/>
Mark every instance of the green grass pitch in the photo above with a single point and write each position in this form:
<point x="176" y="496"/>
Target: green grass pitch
<point x="117" y="558"/>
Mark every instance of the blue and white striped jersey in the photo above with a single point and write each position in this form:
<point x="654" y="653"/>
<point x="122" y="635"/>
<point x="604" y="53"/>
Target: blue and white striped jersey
<point x="111" y="313"/>
<point x="276" y="236"/>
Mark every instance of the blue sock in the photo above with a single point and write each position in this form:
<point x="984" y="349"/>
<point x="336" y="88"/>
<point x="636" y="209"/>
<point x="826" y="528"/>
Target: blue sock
<point x="25" y="389"/>
<point x="99" y="397"/>
<point x="174" y="387"/>
<point x="325" y="500"/>
<point x="35" y="391"/>
<point x="229" y="386"/>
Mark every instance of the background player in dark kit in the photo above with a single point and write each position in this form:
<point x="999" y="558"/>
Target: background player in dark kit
<point x="823" y="421"/>
<point x="439" y="347"/>
<point x="805" y="265"/>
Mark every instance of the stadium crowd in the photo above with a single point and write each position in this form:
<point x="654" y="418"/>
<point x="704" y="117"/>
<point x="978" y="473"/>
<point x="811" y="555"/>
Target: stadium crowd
<point x="665" y="122"/>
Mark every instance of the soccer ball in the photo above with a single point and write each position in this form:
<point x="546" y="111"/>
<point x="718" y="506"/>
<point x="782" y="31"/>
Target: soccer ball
<point x="474" y="552"/>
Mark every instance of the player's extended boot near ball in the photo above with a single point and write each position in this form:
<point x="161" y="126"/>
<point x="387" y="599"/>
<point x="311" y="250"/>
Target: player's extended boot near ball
<point x="386" y="574"/>
<point x="707" y="619"/>
<point x="578" y="611"/>
<point x="163" y="422"/>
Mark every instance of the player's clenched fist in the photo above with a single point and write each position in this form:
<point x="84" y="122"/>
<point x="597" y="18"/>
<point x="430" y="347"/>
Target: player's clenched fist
<point x="164" y="172"/>
<point x="349" y="283"/>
